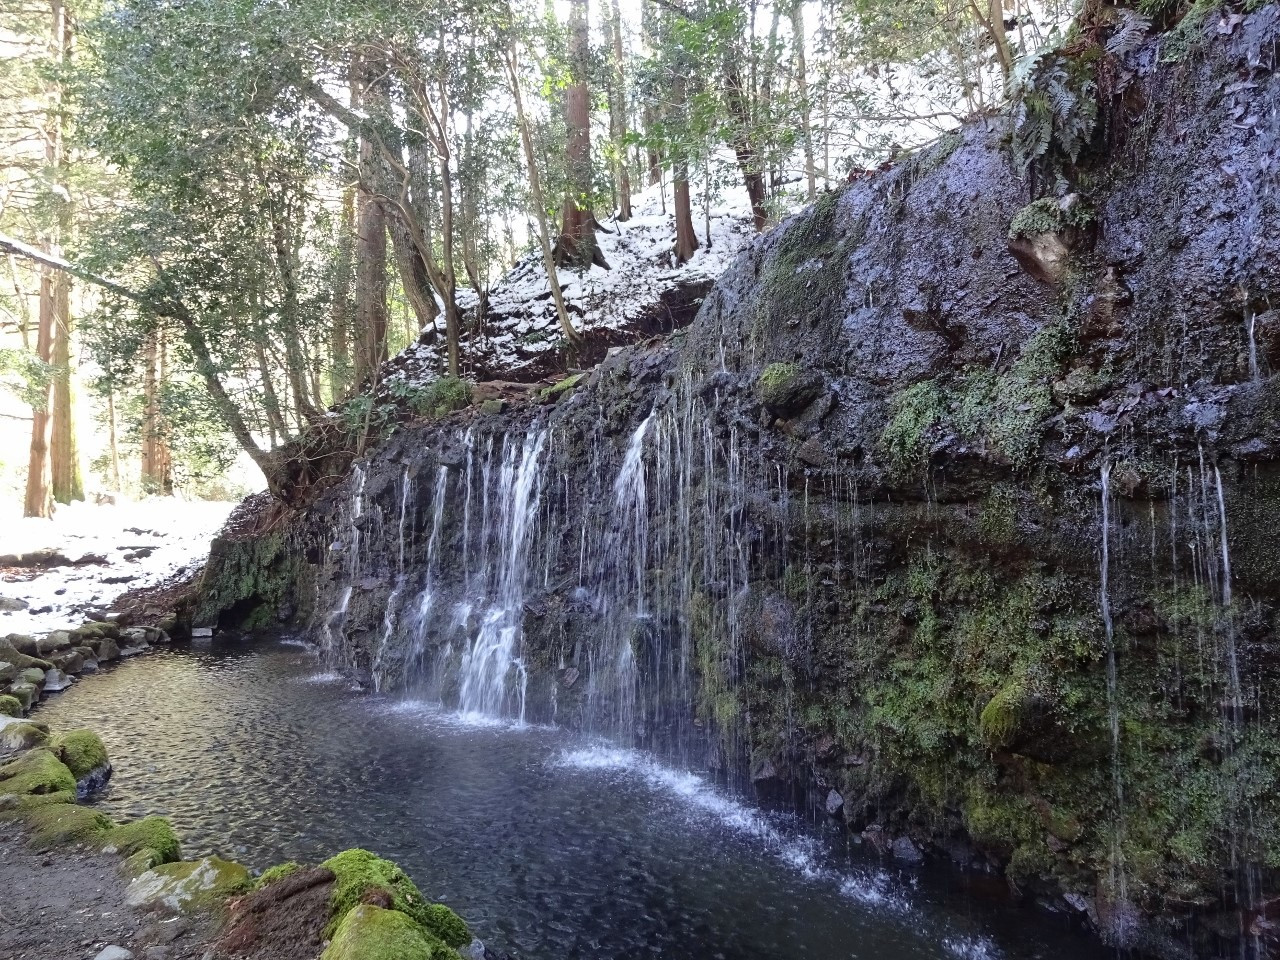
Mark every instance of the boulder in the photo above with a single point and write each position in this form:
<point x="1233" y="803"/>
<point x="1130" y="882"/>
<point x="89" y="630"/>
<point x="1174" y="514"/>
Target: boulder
<point x="23" y="736"/>
<point x="904" y="849"/>
<point x="834" y="803"/>
<point x="57" y="640"/>
<point x="189" y="886"/>
<point x="12" y="603"/>
<point x="10" y="654"/>
<point x="23" y="643"/>
<point x="81" y="750"/>
<point x="9" y="706"/>
<point x="25" y="693"/>
<point x="56" y="681"/>
<point x="107" y="651"/>
<point x="369" y="932"/>
<point x="7" y="671"/>
<point x="68" y="661"/>
<point x="787" y="390"/>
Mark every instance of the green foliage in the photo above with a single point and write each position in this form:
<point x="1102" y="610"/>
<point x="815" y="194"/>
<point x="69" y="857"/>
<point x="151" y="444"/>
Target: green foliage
<point x="27" y="377"/>
<point x="81" y="750"/>
<point x="1055" y="109"/>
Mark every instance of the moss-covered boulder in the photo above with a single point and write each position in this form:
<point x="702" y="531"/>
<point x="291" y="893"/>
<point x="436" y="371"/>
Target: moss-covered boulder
<point x="64" y="824"/>
<point x="189" y="886"/>
<point x="153" y="836"/>
<point x="35" y="778"/>
<point x="786" y="389"/>
<point x="81" y="750"/>
<point x="10" y="654"/>
<point x="10" y="706"/>
<point x="360" y="874"/>
<point x="368" y="932"/>
<point x="23" y="736"/>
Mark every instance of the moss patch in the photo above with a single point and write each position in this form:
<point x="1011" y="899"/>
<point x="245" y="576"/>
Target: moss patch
<point x="278" y="872"/>
<point x="1048" y="215"/>
<point x="372" y="933"/>
<point x="10" y="706"/>
<point x="64" y="824"/>
<point x="153" y="834"/>
<point x="36" y="778"/>
<point x="360" y="873"/>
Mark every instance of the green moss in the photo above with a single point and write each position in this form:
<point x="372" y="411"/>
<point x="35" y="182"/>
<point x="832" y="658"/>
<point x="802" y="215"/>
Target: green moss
<point x="10" y="706"/>
<point x="189" y="886"/>
<point x="1189" y="35"/>
<point x="998" y="521"/>
<point x="567" y="385"/>
<point x="81" y="750"/>
<point x="1002" y="716"/>
<point x="64" y="824"/>
<point x="154" y="834"/>
<point x="252" y="576"/>
<point x="1046" y="215"/>
<point x="368" y="932"/>
<point x="24" y="736"/>
<point x="38" y="777"/>
<point x="278" y="872"/>
<point x="913" y="413"/>
<point x="358" y="872"/>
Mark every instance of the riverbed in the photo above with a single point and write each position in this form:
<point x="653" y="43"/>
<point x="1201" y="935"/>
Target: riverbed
<point x="549" y="845"/>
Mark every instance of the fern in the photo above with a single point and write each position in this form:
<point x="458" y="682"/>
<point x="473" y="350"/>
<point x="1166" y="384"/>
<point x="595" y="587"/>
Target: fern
<point x="1057" y="107"/>
<point x="1130" y="32"/>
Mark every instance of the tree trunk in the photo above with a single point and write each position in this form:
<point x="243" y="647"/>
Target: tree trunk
<point x="535" y="188"/>
<point x="68" y="479"/>
<point x="577" y="244"/>
<point x="413" y="276"/>
<point x="802" y="84"/>
<point x="686" y="239"/>
<point x="371" y="241"/>
<point x="652" y="155"/>
<point x="157" y="477"/>
<point x="39" y="499"/>
<point x="748" y="161"/>
<point x="618" y="116"/>
<point x="340" y="316"/>
<point x="113" y="448"/>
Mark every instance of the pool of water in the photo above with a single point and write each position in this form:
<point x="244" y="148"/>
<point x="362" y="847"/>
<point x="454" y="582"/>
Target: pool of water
<point x="550" y="846"/>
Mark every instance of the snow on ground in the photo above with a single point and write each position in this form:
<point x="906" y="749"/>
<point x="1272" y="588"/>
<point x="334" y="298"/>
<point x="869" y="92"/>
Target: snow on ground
<point x="521" y="325"/>
<point x="120" y="547"/>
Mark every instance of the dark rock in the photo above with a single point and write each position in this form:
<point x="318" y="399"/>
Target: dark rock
<point x="904" y="849"/>
<point x="834" y="803"/>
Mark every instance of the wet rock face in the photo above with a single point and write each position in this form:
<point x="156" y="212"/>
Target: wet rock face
<point x="842" y="538"/>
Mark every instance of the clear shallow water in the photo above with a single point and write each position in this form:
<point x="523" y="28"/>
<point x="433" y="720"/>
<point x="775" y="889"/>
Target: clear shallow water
<point x="549" y="846"/>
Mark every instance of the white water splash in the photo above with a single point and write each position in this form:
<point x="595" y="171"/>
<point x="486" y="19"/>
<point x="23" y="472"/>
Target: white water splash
<point x="801" y="853"/>
<point x="971" y="948"/>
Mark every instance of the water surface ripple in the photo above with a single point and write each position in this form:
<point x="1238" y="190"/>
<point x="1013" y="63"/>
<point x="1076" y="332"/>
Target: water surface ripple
<point x="550" y="847"/>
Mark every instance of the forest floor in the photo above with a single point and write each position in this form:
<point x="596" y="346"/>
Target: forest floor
<point x="69" y="904"/>
<point x="55" y="573"/>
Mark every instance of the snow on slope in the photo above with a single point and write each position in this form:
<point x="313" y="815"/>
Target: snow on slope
<point x="100" y="552"/>
<point x="521" y="336"/>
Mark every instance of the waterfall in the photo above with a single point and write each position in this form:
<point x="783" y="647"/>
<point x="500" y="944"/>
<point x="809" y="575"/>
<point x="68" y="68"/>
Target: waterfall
<point x="347" y="550"/>
<point x="1234" y="700"/>
<point x="1113" y="705"/>
<point x="621" y="604"/>
<point x="493" y="654"/>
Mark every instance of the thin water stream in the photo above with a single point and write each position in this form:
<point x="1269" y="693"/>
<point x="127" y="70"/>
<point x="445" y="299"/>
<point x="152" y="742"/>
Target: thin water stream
<point x="552" y="847"/>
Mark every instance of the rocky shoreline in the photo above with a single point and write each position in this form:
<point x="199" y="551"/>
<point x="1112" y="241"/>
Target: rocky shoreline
<point x="79" y="885"/>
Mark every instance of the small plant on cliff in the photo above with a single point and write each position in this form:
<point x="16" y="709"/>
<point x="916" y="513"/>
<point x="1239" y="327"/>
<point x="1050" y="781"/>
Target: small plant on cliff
<point x="912" y="413"/>
<point x="1049" y="215"/>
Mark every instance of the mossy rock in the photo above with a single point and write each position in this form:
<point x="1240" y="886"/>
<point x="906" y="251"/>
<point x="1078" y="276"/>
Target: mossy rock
<point x="278" y="872"/>
<point x="23" y="736"/>
<point x="81" y="750"/>
<point x="36" y="778"/>
<point x="359" y="872"/>
<point x="25" y="693"/>
<point x="10" y="706"/>
<point x="150" y="834"/>
<point x="189" y="886"/>
<point x="786" y="389"/>
<point x="368" y="932"/>
<point x="1002" y="716"/>
<point x="562" y="388"/>
<point x="9" y="654"/>
<point x="64" y="824"/>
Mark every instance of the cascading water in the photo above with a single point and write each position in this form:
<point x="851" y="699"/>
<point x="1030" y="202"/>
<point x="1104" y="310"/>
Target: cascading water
<point x="492" y="657"/>
<point x="1118" y="882"/>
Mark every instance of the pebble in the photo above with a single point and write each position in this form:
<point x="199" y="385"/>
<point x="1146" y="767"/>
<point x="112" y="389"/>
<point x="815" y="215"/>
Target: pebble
<point x="114" y="953"/>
